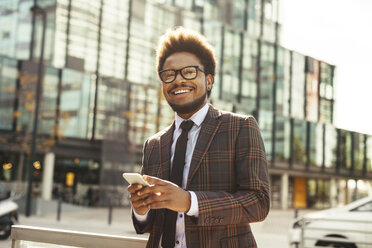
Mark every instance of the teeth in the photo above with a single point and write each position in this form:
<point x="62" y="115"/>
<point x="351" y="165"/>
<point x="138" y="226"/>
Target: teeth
<point x="181" y="91"/>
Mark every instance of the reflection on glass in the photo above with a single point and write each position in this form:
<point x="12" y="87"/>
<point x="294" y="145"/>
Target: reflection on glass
<point x="213" y="32"/>
<point x="254" y="18"/>
<point x="312" y="74"/>
<point x="83" y="36"/>
<point x="326" y="93"/>
<point x="48" y="105"/>
<point x="248" y="93"/>
<point x="358" y="151"/>
<point x="266" y="126"/>
<point x="8" y="79"/>
<point x="142" y="101"/>
<point x="267" y="76"/>
<point x="318" y="193"/>
<point x="230" y="82"/>
<point x="283" y="82"/>
<point x="270" y="19"/>
<point x="298" y="85"/>
<point x="238" y="13"/>
<point x="299" y="141"/>
<point x="215" y="10"/>
<point x="282" y="139"/>
<point x="316" y="144"/>
<point x="345" y="149"/>
<point x="111" y="109"/>
<point x="369" y="153"/>
<point x="113" y="38"/>
<point x="75" y="105"/>
<point x="330" y="156"/>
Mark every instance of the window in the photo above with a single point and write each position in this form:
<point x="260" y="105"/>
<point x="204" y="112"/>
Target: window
<point x="312" y="81"/>
<point x="248" y="92"/>
<point x="266" y="126"/>
<point x="316" y="144"/>
<point x="267" y="76"/>
<point x="283" y="82"/>
<point x="76" y="104"/>
<point x="367" y="207"/>
<point x="369" y="153"/>
<point x="298" y="85"/>
<point x="282" y="139"/>
<point x="299" y="142"/>
<point x="8" y="79"/>
<point x="345" y="146"/>
<point x="48" y="103"/>
<point x="231" y="59"/>
<point x="330" y="148"/>
<point x="358" y="151"/>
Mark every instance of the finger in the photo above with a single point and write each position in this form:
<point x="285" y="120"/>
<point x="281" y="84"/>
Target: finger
<point x="134" y="188"/>
<point x="139" y="205"/>
<point x="159" y="205"/>
<point x="141" y="209"/>
<point x="155" y="180"/>
<point x="157" y="190"/>
<point x="156" y="198"/>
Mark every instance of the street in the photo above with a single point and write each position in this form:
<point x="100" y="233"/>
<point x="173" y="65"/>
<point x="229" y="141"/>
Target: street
<point x="273" y="232"/>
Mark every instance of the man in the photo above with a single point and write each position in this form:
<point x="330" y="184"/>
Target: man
<point x="208" y="179"/>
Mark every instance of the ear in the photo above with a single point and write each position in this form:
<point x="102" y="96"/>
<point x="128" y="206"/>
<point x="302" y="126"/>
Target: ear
<point x="209" y="80"/>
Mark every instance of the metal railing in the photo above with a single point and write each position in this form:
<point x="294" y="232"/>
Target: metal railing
<point x="337" y="231"/>
<point x="27" y="236"/>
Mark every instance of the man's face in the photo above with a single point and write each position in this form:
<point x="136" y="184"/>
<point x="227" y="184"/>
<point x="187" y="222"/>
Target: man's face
<point x="186" y="96"/>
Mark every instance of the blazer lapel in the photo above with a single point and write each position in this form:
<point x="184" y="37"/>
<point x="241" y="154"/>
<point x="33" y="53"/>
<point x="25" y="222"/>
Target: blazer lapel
<point x="165" y="153"/>
<point x="208" y="129"/>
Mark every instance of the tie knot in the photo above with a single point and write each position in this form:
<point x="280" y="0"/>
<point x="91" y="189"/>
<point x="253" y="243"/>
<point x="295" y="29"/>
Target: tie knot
<point x="187" y="125"/>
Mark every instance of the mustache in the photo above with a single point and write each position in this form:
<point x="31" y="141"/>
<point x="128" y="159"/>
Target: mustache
<point x="175" y="86"/>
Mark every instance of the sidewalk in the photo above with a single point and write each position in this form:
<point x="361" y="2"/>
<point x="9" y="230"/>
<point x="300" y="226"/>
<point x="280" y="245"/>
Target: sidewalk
<point x="273" y="232"/>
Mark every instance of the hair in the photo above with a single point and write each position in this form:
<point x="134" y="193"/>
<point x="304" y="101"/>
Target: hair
<point x="180" y="39"/>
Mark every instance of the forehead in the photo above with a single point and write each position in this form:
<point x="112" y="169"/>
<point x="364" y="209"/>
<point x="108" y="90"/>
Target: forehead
<point x="181" y="59"/>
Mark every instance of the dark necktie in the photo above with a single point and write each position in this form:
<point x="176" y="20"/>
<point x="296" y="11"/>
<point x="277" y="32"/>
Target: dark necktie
<point x="169" y="230"/>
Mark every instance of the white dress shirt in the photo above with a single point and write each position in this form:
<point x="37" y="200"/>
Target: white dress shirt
<point x="193" y="134"/>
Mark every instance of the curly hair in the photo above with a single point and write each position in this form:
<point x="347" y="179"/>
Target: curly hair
<point x="180" y="39"/>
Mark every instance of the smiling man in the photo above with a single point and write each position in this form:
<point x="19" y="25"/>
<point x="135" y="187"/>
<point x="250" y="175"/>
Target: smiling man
<point x="207" y="171"/>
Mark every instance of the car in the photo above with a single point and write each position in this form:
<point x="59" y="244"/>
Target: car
<point x="349" y="226"/>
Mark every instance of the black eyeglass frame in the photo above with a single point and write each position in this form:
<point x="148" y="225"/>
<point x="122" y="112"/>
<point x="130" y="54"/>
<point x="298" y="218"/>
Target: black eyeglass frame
<point x="180" y="71"/>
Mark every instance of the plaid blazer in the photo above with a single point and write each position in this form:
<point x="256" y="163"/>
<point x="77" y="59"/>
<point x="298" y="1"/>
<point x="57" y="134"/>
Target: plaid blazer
<point x="229" y="175"/>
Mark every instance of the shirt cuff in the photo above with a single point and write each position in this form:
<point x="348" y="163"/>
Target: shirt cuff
<point x="194" y="207"/>
<point x="141" y="218"/>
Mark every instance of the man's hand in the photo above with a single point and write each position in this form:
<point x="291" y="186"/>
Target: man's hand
<point x="138" y="199"/>
<point x="164" y="194"/>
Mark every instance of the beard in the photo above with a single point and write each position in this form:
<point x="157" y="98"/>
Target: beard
<point x="189" y="107"/>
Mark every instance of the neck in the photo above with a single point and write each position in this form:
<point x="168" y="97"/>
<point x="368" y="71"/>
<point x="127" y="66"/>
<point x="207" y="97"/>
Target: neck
<point x="187" y="116"/>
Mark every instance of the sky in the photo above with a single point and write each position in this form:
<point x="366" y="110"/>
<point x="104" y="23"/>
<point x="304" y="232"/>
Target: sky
<point x="337" y="32"/>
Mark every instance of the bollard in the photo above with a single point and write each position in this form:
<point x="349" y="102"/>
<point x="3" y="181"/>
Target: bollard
<point x="59" y="208"/>
<point x="296" y="213"/>
<point x="110" y="213"/>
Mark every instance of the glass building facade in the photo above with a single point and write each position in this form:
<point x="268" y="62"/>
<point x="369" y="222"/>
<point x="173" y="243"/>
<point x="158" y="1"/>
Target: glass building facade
<point x="101" y="97"/>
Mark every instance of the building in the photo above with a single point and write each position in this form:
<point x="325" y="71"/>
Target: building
<point x="101" y="97"/>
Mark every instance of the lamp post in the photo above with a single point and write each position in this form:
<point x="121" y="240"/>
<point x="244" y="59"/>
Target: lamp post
<point x="36" y="10"/>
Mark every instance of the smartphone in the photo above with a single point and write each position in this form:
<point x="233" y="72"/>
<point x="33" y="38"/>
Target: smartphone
<point x="133" y="178"/>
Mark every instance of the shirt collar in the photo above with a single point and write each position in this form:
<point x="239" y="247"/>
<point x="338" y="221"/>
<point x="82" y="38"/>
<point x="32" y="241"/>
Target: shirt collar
<point x="197" y="118"/>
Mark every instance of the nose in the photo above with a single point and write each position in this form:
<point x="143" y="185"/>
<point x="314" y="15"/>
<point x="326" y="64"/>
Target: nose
<point x="179" y="78"/>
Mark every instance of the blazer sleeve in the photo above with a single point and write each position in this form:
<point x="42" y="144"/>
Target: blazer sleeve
<point x="250" y="202"/>
<point x="146" y="226"/>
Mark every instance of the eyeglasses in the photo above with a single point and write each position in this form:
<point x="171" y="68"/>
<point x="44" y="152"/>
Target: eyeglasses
<point x="189" y="72"/>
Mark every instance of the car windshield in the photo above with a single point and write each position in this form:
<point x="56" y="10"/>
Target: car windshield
<point x="367" y="207"/>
